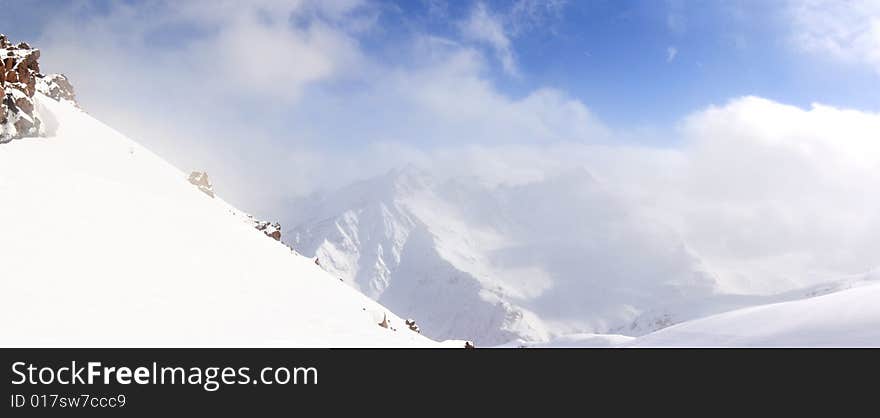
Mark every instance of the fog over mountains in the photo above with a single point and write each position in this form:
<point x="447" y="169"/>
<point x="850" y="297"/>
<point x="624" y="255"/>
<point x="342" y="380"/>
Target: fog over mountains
<point x="531" y="261"/>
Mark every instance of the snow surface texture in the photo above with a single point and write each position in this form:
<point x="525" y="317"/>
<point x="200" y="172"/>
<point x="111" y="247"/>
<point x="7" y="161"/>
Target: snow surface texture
<point x="498" y="265"/>
<point x="105" y="244"/>
<point x="849" y="318"/>
<point x="839" y="314"/>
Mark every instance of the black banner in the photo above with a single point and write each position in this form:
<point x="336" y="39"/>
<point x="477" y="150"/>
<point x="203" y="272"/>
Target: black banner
<point x="204" y="382"/>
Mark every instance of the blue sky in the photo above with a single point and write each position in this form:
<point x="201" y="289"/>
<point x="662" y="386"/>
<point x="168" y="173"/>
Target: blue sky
<point x="615" y="56"/>
<point x="275" y="92"/>
<point x="612" y="55"/>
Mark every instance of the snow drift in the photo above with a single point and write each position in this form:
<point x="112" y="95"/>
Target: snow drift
<point x="849" y="318"/>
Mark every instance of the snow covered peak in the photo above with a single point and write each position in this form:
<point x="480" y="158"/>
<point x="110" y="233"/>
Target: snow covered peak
<point x="20" y="81"/>
<point x="409" y="179"/>
<point x="498" y="262"/>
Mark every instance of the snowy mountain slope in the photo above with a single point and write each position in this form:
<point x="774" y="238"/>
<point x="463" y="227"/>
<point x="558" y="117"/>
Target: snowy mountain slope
<point x="848" y="318"/>
<point x="669" y="314"/>
<point x="575" y="341"/>
<point x="493" y="263"/>
<point x="499" y="262"/>
<point x="800" y="318"/>
<point x="102" y="243"/>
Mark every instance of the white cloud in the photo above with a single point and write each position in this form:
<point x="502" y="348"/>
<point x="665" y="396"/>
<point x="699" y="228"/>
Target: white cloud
<point x="203" y="82"/>
<point x="760" y="189"/>
<point x="244" y="94"/>
<point x="841" y="30"/>
<point x="527" y="15"/>
<point x="671" y="52"/>
<point x="251" y="47"/>
<point x="675" y="17"/>
<point x="773" y="196"/>
<point x="484" y="27"/>
<point x="499" y="29"/>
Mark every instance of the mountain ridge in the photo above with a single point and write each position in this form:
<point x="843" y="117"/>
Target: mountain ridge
<point x="497" y="265"/>
<point x="473" y="260"/>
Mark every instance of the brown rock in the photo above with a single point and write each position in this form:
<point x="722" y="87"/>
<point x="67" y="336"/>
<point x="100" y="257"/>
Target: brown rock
<point x="30" y="61"/>
<point x="25" y="105"/>
<point x="31" y="86"/>
<point x="23" y="125"/>
<point x="58" y="87"/>
<point x="23" y="73"/>
<point x="20" y="70"/>
<point x="411" y="323"/>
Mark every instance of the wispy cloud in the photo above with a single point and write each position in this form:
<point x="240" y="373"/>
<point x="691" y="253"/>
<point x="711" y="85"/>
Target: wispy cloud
<point x="675" y="17"/>
<point x="671" y="53"/>
<point x="839" y="30"/>
<point x="529" y="15"/>
<point x="485" y="27"/>
<point x="498" y="29"/>
<point x="770" y="196"/>
<point x="245" y="90"/>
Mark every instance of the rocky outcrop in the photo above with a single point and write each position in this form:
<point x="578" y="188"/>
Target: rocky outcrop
<point x="58" y="87"/>
<point x="20" y="81"/>
<point x="272" y="230"/>
<point x="200" y="180"/>
<point x="411" y="323"/>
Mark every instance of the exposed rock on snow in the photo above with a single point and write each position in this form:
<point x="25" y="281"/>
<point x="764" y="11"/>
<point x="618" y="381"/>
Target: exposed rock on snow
<point x="58" y="87"/>
<point x="272" y="230"/>
<point x="20" y="80"/>
<point x="411" y="323"/>
<point x="200" y="180"/>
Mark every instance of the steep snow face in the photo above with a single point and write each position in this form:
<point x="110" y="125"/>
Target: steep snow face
<point x="495" y="263"/>
<point x="362" y="244"/>
<point x="848" y="318"/>
<point x="102" y="243"/>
